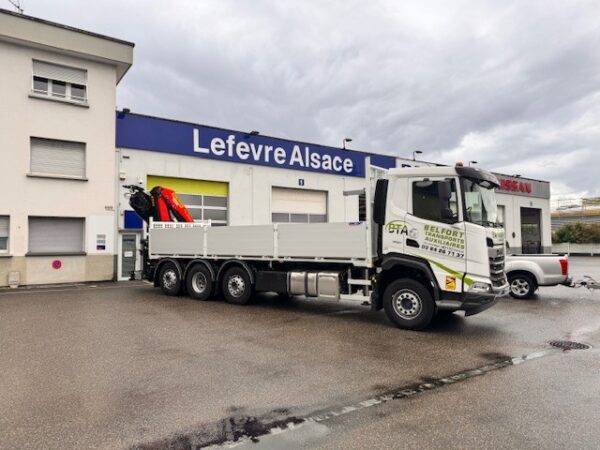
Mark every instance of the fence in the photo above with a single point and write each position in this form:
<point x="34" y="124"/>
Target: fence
<point x="579" y="249"/>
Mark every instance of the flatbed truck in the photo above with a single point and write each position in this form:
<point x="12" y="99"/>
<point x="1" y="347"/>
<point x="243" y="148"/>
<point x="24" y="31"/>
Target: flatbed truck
<point x="429" y="245"/>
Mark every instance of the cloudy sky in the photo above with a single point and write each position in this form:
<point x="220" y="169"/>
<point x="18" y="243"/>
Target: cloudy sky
<point x="514" y="85"/>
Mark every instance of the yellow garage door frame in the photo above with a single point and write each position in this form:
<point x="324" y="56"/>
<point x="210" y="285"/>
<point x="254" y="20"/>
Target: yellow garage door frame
<point x="189" y="185"/>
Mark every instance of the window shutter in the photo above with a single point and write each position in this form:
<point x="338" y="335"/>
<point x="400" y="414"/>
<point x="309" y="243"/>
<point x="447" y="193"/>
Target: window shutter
<point x="3" y="226"/>
<point x="60" y="73"/>
<point x="53" y="157"/>
<point x="56" y="235"/>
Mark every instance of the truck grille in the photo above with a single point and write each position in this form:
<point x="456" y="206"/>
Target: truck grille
<point x="497" y="275"/>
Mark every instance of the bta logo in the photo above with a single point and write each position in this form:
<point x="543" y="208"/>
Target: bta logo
<point x="515" y="186"/>
<point x="272" y="155"/>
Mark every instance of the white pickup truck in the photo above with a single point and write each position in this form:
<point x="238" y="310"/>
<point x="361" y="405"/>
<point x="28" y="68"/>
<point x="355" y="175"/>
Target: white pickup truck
<point x="526" y="273"/>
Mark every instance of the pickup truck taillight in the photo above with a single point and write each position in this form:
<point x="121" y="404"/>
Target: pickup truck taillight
<point x="564" y="266"/>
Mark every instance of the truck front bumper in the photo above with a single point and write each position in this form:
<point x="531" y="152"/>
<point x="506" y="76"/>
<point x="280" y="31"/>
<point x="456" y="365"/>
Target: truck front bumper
<point x="473" y="303"/>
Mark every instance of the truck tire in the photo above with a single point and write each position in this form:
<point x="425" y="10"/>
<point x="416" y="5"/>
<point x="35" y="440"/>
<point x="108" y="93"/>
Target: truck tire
<point x="169" y="279"/>
<point x="408" y="304"/>
<point x="199" y="282"/>
<point x="522" y="285"/>
<point x="236" y="286"/>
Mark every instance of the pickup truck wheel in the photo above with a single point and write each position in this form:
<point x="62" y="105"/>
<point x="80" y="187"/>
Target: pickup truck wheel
<point x="199" y="282"/>
<point x="169" y="279"/>
<point x="236" y="286"/>
<point x="522" y="286"/>
<point x="408" y="304"/>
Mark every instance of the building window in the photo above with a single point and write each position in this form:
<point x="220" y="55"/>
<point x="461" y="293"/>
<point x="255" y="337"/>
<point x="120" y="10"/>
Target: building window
<point x="298" y="206"/>
<point x="51" y="157"/>
<point x="59" y="81"/>
<point x="40" y="85"/>
<point x="4" y="233"/>
<point x="426" y="203"/>
<point x="206" y="207"/>
<point x="298" y="218"/>
<point x="56" y="235"/>
<point x="59" y="88"/>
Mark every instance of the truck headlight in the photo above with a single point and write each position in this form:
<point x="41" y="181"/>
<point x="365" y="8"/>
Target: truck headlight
<point x="480" y="286"/>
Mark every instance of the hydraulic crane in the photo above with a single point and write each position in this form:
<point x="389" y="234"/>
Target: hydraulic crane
<point x="160" y="205"/>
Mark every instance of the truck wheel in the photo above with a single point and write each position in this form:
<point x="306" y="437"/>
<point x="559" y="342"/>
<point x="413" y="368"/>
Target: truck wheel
<point x="408" y="304"/>
<point x="522" y="285"/>
<point x="199" y="282"/>
<point x="236" y="286"/>
<point x="169" y="279"/>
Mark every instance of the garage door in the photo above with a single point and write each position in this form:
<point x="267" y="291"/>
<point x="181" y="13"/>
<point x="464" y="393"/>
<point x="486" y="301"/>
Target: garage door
<point x="204" y="199"/>
<point x="298" y="205"/>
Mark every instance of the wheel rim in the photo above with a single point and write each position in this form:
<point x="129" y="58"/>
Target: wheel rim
<point x="169" y="279"/>
<point x="407" y="304"/>
<point x="199" y="282"/>
<point x="236" y="286"/>
<point x="519" y="286"/>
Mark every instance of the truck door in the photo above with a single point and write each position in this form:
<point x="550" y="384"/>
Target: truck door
<point x="435" y="229"/>
<point x="394" y="232"/>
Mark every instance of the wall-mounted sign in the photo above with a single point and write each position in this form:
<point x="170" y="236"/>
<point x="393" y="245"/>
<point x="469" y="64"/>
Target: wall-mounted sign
<point x="56" y="264"/>
<point x="523" y="186"/>
<point x="515" y="186"/>
<point x="169" y="136"/>
<point x="100" y="242"/>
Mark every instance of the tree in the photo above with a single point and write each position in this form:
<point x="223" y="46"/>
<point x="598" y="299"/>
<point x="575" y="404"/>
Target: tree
<point x="578" y="233"/>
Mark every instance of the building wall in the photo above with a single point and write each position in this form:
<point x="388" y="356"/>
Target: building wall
<point x="513" y="204"/>
<point x="249" y="186"/>
<point x="94" y="199"/>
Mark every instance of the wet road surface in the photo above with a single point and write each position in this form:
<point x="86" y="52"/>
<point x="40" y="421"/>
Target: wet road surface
<point x="122" y="366"/>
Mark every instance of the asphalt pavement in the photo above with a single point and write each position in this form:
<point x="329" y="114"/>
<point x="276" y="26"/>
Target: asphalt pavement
<point x="119" y="365"/>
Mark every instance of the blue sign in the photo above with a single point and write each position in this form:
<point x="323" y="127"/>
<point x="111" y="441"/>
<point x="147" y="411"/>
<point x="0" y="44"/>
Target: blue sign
<point x="132" y="221"/>
<point x="161" y="135"/>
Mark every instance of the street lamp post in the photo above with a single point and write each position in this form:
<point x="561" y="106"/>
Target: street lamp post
<point x="415" y="153"/>
<point x="472" y="162"/>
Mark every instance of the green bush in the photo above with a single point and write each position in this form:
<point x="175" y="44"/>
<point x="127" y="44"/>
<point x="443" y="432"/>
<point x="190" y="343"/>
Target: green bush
<point x="578" y="233"/>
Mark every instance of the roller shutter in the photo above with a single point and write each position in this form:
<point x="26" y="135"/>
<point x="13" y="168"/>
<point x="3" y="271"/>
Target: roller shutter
<point x="60" y="73"/>
<point x="298" y="205"/>
<point x="206" y="200"/>
<point x="54" y="157"/>
<point x="56" y="235"/>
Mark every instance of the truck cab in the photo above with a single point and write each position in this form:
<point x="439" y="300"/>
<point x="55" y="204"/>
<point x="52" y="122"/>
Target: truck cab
<point x="438" y="226"/>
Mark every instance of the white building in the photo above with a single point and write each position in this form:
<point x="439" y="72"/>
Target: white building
<point x="64" y="216"/>
<point x="57" y="141"/>
<point x="233" y="177"/>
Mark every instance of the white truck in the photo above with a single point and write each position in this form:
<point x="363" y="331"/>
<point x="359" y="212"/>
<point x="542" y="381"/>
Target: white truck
<point x="430" y="244"/>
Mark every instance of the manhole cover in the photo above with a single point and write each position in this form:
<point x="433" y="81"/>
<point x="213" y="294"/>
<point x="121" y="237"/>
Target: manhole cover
<point x="569" y="345"/>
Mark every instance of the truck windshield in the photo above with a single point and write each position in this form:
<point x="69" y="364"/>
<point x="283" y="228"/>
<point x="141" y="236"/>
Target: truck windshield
<point x="480" y="202"/>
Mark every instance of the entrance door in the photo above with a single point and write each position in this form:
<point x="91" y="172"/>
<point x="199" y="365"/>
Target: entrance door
<point x="531" y="232"/>
<point x="128" y="255"/>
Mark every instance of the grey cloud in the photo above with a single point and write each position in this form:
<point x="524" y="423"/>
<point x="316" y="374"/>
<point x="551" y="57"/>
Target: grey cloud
<point x="514" y="85"/>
